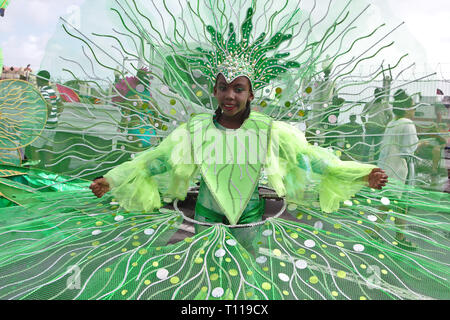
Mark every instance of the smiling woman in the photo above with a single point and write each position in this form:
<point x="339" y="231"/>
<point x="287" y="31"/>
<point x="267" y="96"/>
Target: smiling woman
<point x="234" y="101"/>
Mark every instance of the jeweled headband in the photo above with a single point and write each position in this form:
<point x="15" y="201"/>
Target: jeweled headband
<point x="235" y="59"/>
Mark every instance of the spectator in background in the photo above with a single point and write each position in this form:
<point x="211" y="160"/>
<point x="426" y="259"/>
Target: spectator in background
<point x="432" y="152"/>
<point x="353" y="136"/>
<point x="26" y="73"/>
<point x="54" y="108"/>
<point x="446" y="103"/>
<point x="398" y="146"/>
<point x="378" y="114"/>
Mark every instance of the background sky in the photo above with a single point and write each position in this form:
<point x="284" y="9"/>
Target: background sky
<point x="29" y="24"/>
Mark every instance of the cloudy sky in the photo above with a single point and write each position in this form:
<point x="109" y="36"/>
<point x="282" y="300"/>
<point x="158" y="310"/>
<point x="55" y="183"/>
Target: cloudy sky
<point x="28" y="25"/>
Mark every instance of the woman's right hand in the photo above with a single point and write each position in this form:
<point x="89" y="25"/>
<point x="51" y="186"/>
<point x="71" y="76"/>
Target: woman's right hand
<point x="99" y="187"/>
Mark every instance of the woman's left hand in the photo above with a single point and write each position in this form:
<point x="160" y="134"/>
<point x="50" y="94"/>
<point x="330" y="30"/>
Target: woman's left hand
<point x="377" y="178"/>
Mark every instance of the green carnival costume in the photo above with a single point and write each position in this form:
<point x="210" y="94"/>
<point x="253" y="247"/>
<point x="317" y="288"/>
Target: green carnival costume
<point x="293" y="167"/>
<point x="336" y="240"/>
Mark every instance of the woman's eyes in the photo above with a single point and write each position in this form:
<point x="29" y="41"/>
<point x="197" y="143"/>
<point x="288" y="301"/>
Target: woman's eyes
<point x="238" y="89"/>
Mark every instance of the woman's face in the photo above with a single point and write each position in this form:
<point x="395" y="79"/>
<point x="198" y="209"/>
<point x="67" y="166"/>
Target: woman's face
<point x="232" y="97"/>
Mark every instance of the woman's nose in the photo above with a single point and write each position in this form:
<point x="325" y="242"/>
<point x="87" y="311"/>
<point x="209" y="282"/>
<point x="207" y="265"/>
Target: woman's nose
<point x="229" y="94"/>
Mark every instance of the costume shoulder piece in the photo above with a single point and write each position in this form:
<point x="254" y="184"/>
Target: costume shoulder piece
<point x="230" y="160"/>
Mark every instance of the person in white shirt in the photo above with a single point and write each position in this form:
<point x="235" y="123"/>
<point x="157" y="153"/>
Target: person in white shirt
<point x="398" y="146"/>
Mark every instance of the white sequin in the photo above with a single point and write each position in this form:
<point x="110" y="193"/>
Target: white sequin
<point x="96" y="232"/>
<point x="309" y="243"/>
<point x="231" y="242"/>
<point x="332" y="119"/>
<point x="149" y="231"/>
<point x="301" y="264"/>
<point x="385" y="201"/>
<point x="140" y="88"/>
<point x="283" y="277"/>
<point x="220" y="253"/>
<point x="267" y="233"/>
<point x="118" y="218"/>
<point x="217" y="292"/>
<point x="162" y="274"/>
<point x="358" y="247"/>
<point x="372" y="218"/>
<point x="302" y="126"/>
<point x="261" y="259"/>
<point x="318" y="225"/>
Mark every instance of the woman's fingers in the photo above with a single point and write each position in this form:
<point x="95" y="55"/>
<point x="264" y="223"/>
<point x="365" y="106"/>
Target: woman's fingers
<point x="97" y="189"/>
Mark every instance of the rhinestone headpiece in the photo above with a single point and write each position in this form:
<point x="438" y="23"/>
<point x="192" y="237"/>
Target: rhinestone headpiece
<point x="234" y="59"/>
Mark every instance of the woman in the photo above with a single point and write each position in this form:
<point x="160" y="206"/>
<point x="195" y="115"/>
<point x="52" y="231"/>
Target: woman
<point x="234" y="100"/>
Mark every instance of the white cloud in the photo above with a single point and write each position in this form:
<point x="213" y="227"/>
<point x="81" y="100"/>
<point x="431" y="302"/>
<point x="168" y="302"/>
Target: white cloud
<point x="22" y="51"/>
<point x="426" y="21"/>
<point x="39" y="12"/>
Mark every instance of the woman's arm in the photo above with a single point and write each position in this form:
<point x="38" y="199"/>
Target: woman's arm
<point x="301" y="168"/>
<point x="137" y="184"/>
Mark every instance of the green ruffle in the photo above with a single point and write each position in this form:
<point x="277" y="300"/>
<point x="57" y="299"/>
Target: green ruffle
<point x="139" y="184"/>
<point x="304" y="173"/>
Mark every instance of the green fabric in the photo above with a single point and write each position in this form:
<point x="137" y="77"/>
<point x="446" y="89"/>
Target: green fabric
<point x="137" y="184"/>
<point x="305" y="173"/>
<point x="280" y="259"/>
<point x="301" y="172"/>
<point x="206" y="201"/>
<point x="4" y="3"/>
<point x="230" y="165"/>
<point x="248" y="216"/>
<point x="18" y="184"/>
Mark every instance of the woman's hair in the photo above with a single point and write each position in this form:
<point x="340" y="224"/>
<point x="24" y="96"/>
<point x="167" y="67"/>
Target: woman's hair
<point x="246" y="113"/>
<point x="402" y="103"/>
